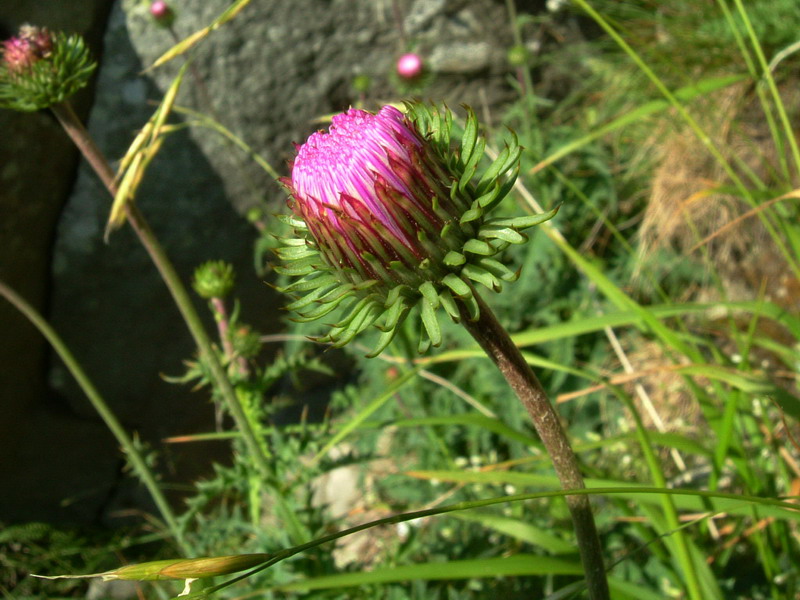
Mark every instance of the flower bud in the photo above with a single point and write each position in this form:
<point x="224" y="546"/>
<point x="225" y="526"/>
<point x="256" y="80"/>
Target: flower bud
<point x="40" y="68"/>
<point x="214" y="279"/>
<point x="409" y="66"/>
<point x="190" y="568"/>
<point x="389" y="217"/>
<point x="31" y="45"/>
<point x="162" y="13"/>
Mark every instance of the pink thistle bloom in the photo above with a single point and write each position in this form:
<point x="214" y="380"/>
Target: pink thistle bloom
<point x="409" y="66"/>
<point x="21" y="52"/>
<point x="371" y="194"/>
<point x="390" y="217"/>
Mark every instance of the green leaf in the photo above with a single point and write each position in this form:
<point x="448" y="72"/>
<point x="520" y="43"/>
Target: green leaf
<point x="516" y="565"/>
<point x="454" y="259"/>
<point x="498" y="269"/>
<point x="482" y="276"/>
<point x="457" y="285"/>
<point x="505" y="234"/>
<point x="429" y="320"/>
<point x="504" y="161"/>
<point x="470" y="137"/>
<point x="472" y="164"/>
<point x="631" y="116"/>
<point x="523" y="222"/>
<point x="480" y="247"/>
<point x="289" y="253"/>
<point x="321" y="278"/>
<point x="352" y="423"/>
<point x="449" y="305"/>
<point x="519" y="529"/>
<point x="473" y="214"/>
<point x="428" y="291"/>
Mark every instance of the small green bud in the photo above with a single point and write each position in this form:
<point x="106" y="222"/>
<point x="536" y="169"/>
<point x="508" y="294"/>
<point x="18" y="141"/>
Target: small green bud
<point x="518" y="56"/>
<point x="214" y="279"/>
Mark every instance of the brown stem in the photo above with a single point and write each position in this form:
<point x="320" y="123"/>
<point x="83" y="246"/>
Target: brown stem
<point x="497" y="344"/>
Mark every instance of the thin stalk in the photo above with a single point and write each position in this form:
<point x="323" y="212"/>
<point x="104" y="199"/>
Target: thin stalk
<point x="138" y="461"/>
<point x="497" y="344"/>
<point x="751" y="68"/>
<point x="681" y="544"/>
<point x="83" y="140"/>
<point x="773" y="88"/>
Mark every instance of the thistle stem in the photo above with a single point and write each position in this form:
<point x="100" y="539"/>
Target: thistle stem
<point x="94" y="156"/>
<point x="497" y="344"/>
<point x="138" y="461"/>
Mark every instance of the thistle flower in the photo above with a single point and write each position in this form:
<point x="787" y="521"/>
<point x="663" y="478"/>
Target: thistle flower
<point x="409" y="65"/>
<point x="388" y="218"/>
<point x="40" y="68"/>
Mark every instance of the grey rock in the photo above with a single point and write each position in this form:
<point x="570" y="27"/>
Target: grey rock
<point x="421" y="15"/>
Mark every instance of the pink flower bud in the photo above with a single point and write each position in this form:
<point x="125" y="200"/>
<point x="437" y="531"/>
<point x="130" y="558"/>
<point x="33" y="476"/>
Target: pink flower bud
<point x="365" y="191"/>
<point x="160" y="10"/>
<point x="31" y="45"/>
<point x="409" y="66"/>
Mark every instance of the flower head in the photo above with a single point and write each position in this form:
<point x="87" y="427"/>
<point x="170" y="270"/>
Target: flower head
<point x="409" y="65"/>
<point x="389" y="218"/>
<point x="40" y="68"/>
<point x="31" y="45"/>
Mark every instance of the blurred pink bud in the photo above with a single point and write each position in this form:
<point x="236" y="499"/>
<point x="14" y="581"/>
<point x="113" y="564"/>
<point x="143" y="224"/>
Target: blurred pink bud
<point x="160" y="10"/>
<point x="409" y="65"/>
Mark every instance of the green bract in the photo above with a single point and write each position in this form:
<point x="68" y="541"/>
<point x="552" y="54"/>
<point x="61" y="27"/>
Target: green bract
<point x="390" y="217"/>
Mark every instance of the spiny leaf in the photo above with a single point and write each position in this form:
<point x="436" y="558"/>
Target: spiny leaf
<point x="523" y="222"/>
<point x="457" y="285"/>
<point x="454" y="259"/>
<point x="482" y="276"/>
<point x="507" y="234"/>
<point x="470" y="136"/>
<point x="479" y="247"/>
<point x="449" y="304"/>
<point x="505" y="160"/>
<point x="430" y="294"/>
